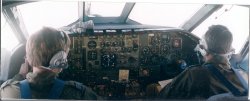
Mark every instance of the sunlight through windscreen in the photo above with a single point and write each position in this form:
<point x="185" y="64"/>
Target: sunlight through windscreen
<point x="172" y="15"/>
<point x="104" y="9"/>
<point x="53" y="14"/>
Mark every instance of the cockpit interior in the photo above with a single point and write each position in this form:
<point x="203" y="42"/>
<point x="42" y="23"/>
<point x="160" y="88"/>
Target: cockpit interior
<point x="119" y="48"/>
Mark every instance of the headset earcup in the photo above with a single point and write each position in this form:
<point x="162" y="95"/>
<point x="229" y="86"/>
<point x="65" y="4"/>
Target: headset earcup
<point x="59" y="60"/>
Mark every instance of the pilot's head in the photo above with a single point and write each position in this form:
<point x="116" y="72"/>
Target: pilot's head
<point x="217" y="41"/>
<point x="46" y="47"/>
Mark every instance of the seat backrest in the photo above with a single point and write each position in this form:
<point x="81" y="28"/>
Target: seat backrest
<point x="227" y="97"/>
<point x="16" y="60"/>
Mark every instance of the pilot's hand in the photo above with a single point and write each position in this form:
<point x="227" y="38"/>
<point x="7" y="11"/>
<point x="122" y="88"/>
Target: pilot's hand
<point x="24" y="69"/>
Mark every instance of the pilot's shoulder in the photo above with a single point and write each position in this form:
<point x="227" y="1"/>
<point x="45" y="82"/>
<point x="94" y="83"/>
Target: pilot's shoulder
<point x="196" y="68"/>
<point x="9" y="83"/>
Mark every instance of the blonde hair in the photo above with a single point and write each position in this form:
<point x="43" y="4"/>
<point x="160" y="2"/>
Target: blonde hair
<point x="44" y="44"/>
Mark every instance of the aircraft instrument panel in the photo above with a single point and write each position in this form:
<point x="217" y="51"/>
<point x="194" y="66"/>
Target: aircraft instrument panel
<point x="120" y="64"/>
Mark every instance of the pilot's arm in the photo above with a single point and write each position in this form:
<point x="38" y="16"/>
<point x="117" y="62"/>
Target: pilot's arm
<point x="24" y="69"/>
<point x="177" y="88"/>
<point x="79" y="92"/>
<point x="189" y="84"/>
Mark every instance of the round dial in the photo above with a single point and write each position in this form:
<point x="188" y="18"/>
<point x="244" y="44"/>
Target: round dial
<point x="92" y="44"/>
<point x="155" y="49"/>
<point x="155" y="40"/>
<point x="165" y="49"/>
<point x="146" y="50"/>
<point x="108" y="60"/>
<point x="115" y="44"/>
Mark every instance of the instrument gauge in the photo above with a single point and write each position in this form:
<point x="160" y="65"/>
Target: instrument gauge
<point x="115" y="44"/>
<point x="92" y="44"/>
<point x="92" y="55"/>
<point x="146" y="50"/>
<point x="165" y="49"/>
<point x="155" y="49"/>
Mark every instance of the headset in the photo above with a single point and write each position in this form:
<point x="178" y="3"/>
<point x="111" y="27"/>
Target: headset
<point x="59" y="60"/>
<point x="203" y="49"/>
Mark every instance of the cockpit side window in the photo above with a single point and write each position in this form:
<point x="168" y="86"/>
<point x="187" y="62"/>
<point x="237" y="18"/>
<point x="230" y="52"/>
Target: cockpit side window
<point x="8" y="38"/>
<point x="8" y="42"/>
<point x="236" y="18"/>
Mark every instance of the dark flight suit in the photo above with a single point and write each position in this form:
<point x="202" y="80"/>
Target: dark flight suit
<point x="199" y="83"/>
<point x="40" y="87"/>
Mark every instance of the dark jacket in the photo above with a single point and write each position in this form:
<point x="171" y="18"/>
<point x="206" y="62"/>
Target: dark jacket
<point x="199" y="83"/>
<point x="40" y="85"/>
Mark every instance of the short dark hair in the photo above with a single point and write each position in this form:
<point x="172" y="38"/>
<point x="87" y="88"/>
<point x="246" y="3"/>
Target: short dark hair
<point x="44" y="44"/>
<point x="219" y="39"/>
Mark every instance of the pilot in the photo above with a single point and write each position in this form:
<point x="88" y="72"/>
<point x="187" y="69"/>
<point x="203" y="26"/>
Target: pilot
<point x="215" y="76"/>
<point x="46" y="53"/>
